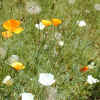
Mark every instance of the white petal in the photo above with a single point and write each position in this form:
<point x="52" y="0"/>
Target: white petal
<point x="97" y="7"/>
<point x="27" y="96"/>
<point x="58" y="36"/>
<point x="46" y="79"/>
<point x="12" y="59"/>
<point x="3" y="52"/>
<point x="81" y="23"/>
<point x="91" y="80"/>
<point x="61" y="43"/>
<point x="7" y="78"/>
<point x="71" y="1"/>
<point x="32" y="8"/>
<point x="40" y="26"/>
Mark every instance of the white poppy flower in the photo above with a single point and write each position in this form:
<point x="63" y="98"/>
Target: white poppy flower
<point x="46" y="79"/>
<point x="97" y="7"/>
<point x="61" y="43"/>
<point x="92" y="65"/>
<point x="91" y="80"/>
<point x="7" y="80"/>
<point x="81" y="23"/>
<point x="27" y="96"/>
<point x="33" y="8"/>
<point x="40" y="26"/>
<point x="71" y="1"/>
<point x="3" y="52"/>
<point x="58" y="35"/>
<point x="12" y="59"/>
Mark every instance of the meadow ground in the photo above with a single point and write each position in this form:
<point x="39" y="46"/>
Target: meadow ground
<point x="61" y="51"/>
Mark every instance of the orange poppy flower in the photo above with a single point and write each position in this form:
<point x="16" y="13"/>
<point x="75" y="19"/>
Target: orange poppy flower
<point x="18" y="66"/>
<point x="46" y="22"/>
<point x="11" y="26"/>
<point x="84" y="69"/>
<point x="56" y="21"/>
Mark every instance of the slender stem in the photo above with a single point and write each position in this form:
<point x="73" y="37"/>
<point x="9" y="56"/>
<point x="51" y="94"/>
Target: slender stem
<point x="1" y="4"/>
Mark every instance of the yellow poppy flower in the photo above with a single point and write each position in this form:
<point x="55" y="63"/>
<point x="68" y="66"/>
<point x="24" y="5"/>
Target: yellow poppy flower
<point x="56" y="21"/>
<point x="17" y="66"/>
<point x="11" y="26"/>
<point x="7" y="34"/>
<point x="46" y="22"/>
<point x="18" y="30"/>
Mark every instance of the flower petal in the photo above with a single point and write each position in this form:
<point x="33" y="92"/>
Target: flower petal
<point x="46" y="79"/>
<point x="7" y="34"/>
<point x="18" y="30"/>
<point x="46" y="22"/>
<point x="11" y="24"/>
<point x="84" y="69"/>
<point x="56" y="21"/>
<point x="40" y="26"/>
<point x="7" y="80"/>
<point x="17" y="66"/>
<point x="27" y="96"/>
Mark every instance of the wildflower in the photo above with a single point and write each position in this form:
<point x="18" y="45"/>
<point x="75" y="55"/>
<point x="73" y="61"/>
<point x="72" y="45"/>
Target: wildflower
<point x="56" y="21"/>
<point x="7" y="34"/>
<point x="92" y="80"/>
<point x="33" y="8"/>
<point x="61" y="43"/>
<point x="97" y="7"/>
<point x="17" y="66"/>
<point x="51" y="93"/>
<point x="58" y="36"/>
<point x="46" y="22"/>
<point x="27" y="96"/>
<point x="3" y="52"/>
<point x="81" y="23"/>
<point x="84" y="69"/>
<point x="46" y="79"/>
<point x="91" y="65"/>
<point x="7" y="80"/>
<point x="45" y="46"/>
<point x="40" y="26"/>
<point x="12" y="59"/>
<point x="11" y="26"/>
<point x="71" y="1"/>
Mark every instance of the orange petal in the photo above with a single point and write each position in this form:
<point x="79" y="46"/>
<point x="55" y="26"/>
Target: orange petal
<point x="56" y="21"/>
<point x="11" y="24"/>
<point x="18" y="30"/>
<point x="17" y="66"/>
<point x="84" y="69"/>
<point x="7" y="34"/>
<point x="46" y="22"/>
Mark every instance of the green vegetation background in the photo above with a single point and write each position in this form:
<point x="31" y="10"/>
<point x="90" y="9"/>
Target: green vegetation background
<point x="80" y="46"/>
